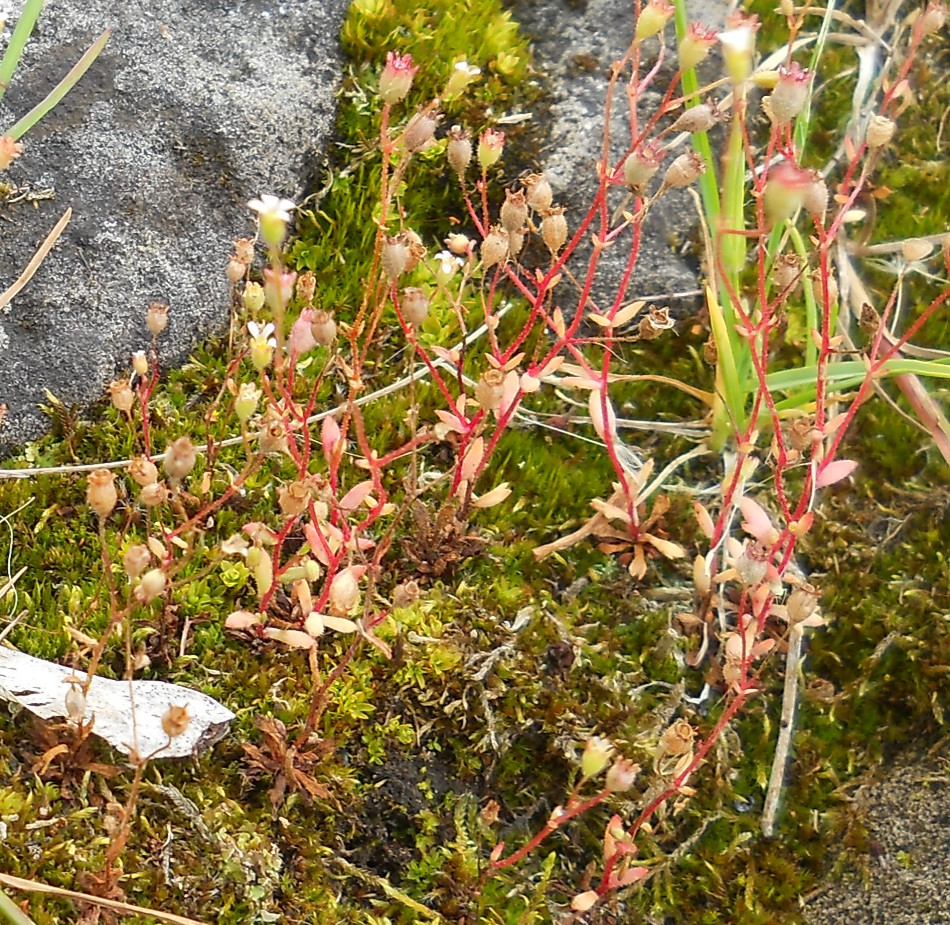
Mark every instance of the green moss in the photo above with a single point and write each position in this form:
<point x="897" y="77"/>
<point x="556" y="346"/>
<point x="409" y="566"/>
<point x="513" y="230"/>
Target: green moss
<point x="507" y="665"/>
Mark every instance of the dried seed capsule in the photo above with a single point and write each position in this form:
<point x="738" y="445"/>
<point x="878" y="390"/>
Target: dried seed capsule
<point x="157" y="317"/>
<point x="101" y="493"/>
<point x="514" y="211"/>
<point x="143" y="470"/>
<point x="495" y="247"/>
<point x="394" y="255"/>
<point x="459" y="150"/>
<point x="180" y="459"/>
<point x="880" y="131"/>
<point x="123" y="398"/>
<point x="686" y="169"/>
<point x="323" y="328"/>
<point x="136" y="560"/>
<point x="554" y="229"/>
<point x="539" y="194"/>
<point x="641" y="166"/>
<point x="415" y="305"/>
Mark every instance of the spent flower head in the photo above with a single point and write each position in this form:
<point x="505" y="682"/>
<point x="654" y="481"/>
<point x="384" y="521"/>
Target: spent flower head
<point x="696" y="45"/>
<point x="653" y="18"/>
<point x="490" y="146"/>
<point x="396" y="78"/>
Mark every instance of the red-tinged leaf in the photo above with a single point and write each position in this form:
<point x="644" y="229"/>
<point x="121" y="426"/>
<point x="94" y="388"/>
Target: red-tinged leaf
<point x="329" y="437"/>
<point x="835" y="472"/>
<point x="451" y="420"/>
<point x="633" y="875"/>
<point x="296" y="638"/>
<point x="317" y="543"/>
<point x="356" y="495"/>
<point x="582" y="902"/>
<point x="757" y="523"/>
<point x="242" y="620"/>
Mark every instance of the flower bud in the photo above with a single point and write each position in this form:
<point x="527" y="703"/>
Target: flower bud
<point x="784" y="191"/>
<point x="123" y="398"/>
<point x="696" y="45"/>
<point x="459" y="150"/>
<point x="790" y="94"/>
<point x="880" y="131"/>
<point x="554" y="229"/>
<point x="415" y="305"/>
<point x="253" y="297"/>
<point x="301" y="341"/>
<point x="150" y="586"/>
<point x="323" y="328"/>
<point x="344" y="593"/>
<point x="136" y="560"/>
<point x="140" y="363"/>
<point x="653" y="19"/>
<point x="180" y="459"/>
<point x="514" y="211"/>
<point x="490" y="146"/>
<point x="641" y="166"/>
<point x="458" y="244"/>
<point x="396" y="77"/>
<point x="394" y="255"/>
<point x="156" y="318"/>
<point x="686" y="169"/>
<point x="914" y="249"/>
<point x="495" y="247"/>
<point x="101" y="493"/>
<point x="278" y="288"/>
<point x="538" y="190"/>
<point x="143" y="470"/>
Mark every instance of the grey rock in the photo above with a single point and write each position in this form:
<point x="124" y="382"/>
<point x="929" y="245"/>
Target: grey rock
<point x="194" y="107"/>
<point x="575" y="45"/>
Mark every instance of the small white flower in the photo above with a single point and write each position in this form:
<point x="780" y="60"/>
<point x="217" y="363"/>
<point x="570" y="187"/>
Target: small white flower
<point x="447" y="264"/>
<point x="262" y="335"/>
<point x="272" y="207"/>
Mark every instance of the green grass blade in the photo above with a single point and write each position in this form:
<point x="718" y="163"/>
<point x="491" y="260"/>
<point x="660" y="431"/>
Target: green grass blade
<point x="61" y="89"/>
<point x="11" y="911"/>
<point x="21" y="34"/>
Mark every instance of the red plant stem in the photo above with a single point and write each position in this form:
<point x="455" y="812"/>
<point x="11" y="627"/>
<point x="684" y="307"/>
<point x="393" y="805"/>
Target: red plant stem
<point x="549" y="827"/>
<point x="731" y="710"/>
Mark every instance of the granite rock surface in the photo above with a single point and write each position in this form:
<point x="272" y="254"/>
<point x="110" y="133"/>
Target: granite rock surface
<point x="193" y="107"/>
